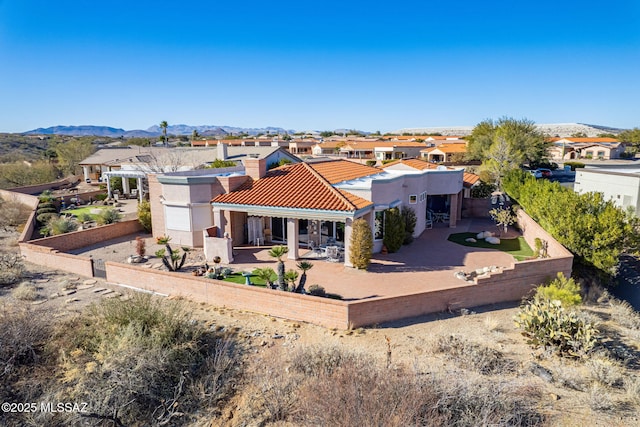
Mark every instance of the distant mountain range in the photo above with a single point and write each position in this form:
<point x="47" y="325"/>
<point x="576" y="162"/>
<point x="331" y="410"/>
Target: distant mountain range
<point x="559" y="129"/>
<point x="553" y="129"/>
<point x="153" y="131"/>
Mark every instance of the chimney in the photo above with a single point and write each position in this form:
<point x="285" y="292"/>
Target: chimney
<point x="222" y="151"/>
<point x="255" y="167"/>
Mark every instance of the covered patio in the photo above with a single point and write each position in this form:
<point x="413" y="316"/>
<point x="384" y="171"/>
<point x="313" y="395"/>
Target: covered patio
<point x="127" y="191"/>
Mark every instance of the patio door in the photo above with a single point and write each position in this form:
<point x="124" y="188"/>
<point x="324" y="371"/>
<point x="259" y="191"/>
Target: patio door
<point x="279" y="229"/>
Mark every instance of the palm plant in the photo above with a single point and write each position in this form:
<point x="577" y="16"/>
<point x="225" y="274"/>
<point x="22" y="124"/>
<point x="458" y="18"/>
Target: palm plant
<point x="163" y="126"/>
<point x="265" y="274"/>
<point x="304" y="266"/>
<point x="290" y="278"/>
<point x="278" y="252"/>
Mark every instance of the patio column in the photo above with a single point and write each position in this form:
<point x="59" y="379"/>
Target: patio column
<point x="293" y="234"/>
<point x="109" y="195"/>
<point x="219" y="221"/>
<point x="85" y="171"/>
<point x="348" y="227"/>
<point x="139" y="181"/>
<point x="125" y="185"/>
<point x="453" y="210"/>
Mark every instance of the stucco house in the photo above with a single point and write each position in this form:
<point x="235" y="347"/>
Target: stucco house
<point x="585" y="148"/>
<point x="445" y="152"/>
<point x="308" y="204"/>
<point x="620" y="185"/>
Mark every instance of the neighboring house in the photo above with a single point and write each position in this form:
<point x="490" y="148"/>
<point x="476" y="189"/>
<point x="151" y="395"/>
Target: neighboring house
<point x="445" y="152"/>
<point x="303" y="203"/>
<point x="620" y="185"/>
<point x="365" y="149"/>
<point x="585" y="148"/>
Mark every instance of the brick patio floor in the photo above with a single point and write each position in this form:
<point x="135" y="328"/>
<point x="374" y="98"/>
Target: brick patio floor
<point x="429" y="263"/>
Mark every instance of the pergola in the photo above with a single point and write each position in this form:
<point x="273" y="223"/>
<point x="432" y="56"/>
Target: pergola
<point x="125" y="175"/>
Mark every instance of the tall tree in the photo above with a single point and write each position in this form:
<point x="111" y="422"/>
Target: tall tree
<point x="631" y="135"/>
<point x="194" y="135"/>
<point x="506" y="144"/>
<point x="164" y="125"/>
<point x="72" y="152"/>
<point x="526" y="142"/>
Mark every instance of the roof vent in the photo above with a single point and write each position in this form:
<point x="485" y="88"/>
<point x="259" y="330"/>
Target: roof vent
<point x="441" y="168"/>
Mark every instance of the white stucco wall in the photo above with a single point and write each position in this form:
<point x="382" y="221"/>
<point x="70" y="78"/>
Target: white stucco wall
<point x="622" y="188"/>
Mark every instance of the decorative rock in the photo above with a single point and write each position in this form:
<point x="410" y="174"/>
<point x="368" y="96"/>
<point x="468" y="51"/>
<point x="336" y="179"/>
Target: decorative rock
<point x="56" y="295"/>
<point x="70" y="300"/>
<point x="90" y="282"/>
<point x="277" y="336"/>
<point x="112" y="295"/>
<point x="470" y="240"/>
<point x="99" y="290"/>
<point x="38" y="302"/>
<point x="68" y="292"/>
<point x="41" y="281"/>
<point x="83" y="287"/>
<point x="108" y="292"/>
<point x="492" y="240"/>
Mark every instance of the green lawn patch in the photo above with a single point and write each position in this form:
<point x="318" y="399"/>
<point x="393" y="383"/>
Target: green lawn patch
<point x="79" y="212"/>
<point x="518" y="248"/>
<point x="239" y="278"/>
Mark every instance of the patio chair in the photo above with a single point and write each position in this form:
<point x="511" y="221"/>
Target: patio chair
<point x="333" y="254"/>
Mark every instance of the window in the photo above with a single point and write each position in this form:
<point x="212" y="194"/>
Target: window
<point x="379" y="226"/>
<point x="601" y="154"/>
<point x="423" y="196"/>
<point x="413" y="199"/>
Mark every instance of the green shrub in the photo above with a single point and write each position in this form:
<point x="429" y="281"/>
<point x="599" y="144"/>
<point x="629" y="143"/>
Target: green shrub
<point x="410" y="220"/>
<point x="144" y="215"/>
<point x="40" y="211"/>
<point x="101" y="197"/>
<point x="482" y="190"/>
<point x="393" y="230"/>
<point x="108" y="216"/>
<point x="546" y="324"/>
<point x="567" y="291"/>
<point x="62" y="226"/>
<point x="46" y="217"/>
<point x="574" y="165"/>
<point x="361" y="245"/>
<point x="43" y="205"/>
<point x="317" y="291"/>
<point x="371" y="162"/>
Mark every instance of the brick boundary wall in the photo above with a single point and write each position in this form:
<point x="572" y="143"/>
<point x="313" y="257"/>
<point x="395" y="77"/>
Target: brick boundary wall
<point x="32" y="202"/>
<point x="80" y="239"/>
<point x="56" y="260"/>
<point x="320" y="311"/>
<point x="39" y="188"/>
<point x="510" y="285"/>
<point x="531" y="229"/>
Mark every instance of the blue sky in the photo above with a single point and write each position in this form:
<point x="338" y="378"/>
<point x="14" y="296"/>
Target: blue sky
<point x="317" y="65"/>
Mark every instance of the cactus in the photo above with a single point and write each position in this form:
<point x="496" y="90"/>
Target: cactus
<point x="173" y="261"/>
<point x="546" y="324"/>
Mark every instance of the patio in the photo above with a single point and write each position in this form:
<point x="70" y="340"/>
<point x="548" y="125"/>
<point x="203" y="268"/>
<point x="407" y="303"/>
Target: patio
<point x="428" y="264"/>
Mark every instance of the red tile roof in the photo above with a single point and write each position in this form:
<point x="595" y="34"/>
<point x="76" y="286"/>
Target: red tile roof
<point x="597" y="139"/>
<point x="296" y="186"/>
<point x="336" y="171"/>
<point x="469" y="179"/>
<point x="413" y="163"/>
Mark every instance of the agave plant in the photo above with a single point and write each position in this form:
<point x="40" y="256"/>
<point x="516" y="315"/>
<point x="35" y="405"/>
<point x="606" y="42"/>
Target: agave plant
<point x="278" y="252"/>
<point x="304" y="266"/>
<point x="173" y="261"/>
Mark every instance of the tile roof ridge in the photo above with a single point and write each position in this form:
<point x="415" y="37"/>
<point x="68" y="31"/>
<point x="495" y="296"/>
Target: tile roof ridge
<point x="327" y="184"/>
